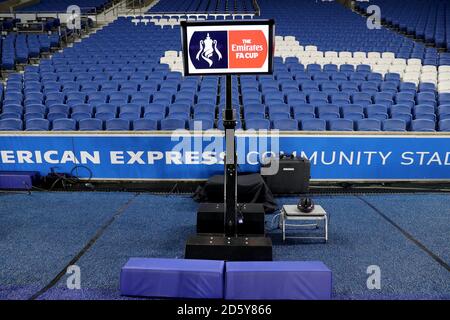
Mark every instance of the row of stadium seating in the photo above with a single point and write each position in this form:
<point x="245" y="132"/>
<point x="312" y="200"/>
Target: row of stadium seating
<point x="200" y="6"/>
<point x="87" y="6"/>
<point x="19" y="48"/>
<point x="263" y="89"/>
<point x="115" y="75"/>
<point x="204" y="111"/>
<point x="425" y="20"/>
<point x="332" y="27"/>
<point x="119" y="124"/>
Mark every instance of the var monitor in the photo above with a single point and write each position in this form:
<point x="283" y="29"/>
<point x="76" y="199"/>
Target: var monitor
<point x="228" y="47"/>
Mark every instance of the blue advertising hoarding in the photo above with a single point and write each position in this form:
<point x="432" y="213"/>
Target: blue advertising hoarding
<point x="128" y="156"/>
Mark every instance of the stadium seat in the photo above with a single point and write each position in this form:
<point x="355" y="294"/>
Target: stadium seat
<point x="340" y="125"/>
<point x="145" y="125"/>
<point x="368" y="125"/>
<point x="64" y="125"/>
<point x="33" y="115"/>
<point x="90" y="125"/>
<point x="130" y="116"/>
<point x="105" y="116"/>
<point x="285" y="125"/>
<point x="37" y="125"/>
<point x="313" y="125"/>
<point x="56" y="115"/>
<point x="35" y="108"/>
<point x="117" y="125"/>
<point x="173" y="124"/>
<point x="444" y="125"/>
<point x="11" y="124"/>
<point x="202" y="124"/>
<point x="423" y="125"/>
<point x="13" y="108"/>
<point x="394" y="125"/>
<point x="77" y="116"/>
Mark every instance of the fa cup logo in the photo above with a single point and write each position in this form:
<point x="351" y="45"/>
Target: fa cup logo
<point x="207" y="49"/>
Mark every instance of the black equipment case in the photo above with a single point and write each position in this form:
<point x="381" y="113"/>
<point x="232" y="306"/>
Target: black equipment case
<point x="292" y="177"/>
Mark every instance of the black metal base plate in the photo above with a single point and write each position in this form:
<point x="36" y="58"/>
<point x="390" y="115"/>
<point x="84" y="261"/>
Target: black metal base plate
<point x="220" y="247"/>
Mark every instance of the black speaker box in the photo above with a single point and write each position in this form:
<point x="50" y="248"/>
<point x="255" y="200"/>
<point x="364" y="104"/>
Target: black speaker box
<point x="292" y="177"/>
<point x="210" y="218"/>
<point x="220" y="247"/>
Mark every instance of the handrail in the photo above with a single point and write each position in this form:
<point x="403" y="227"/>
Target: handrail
<point x="257" y="8"/>
<point x="184" y="13"/>
<point x="133" y="5"/>
<point x="112" y="8"/>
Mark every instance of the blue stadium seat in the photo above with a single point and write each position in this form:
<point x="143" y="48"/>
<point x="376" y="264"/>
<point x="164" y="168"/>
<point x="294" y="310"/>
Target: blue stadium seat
<point x="257" y="124"/>
<point x="376" y="111"/>
<point x="400" y="108"/>
<point x="130" y="116"/>
<point x="368" y="125"/>
<point x="35" y="108"/>
<point x="37" y="125"/>
<point x="33" y="115"/>
<point x="117" y="125"/>
<point x="10" y="115"/>
<point x="444" y="111"/>
<point x="279" y="116"/>
<point x="444" y="125"/>
<point x="85" y="108"/>
<point x="285" y="125"/>
<point x="145" y="125"/>
<point x="406" y="117"/>
<point x="203" y="124"/>
<point x="253" y="115"/>
<point x="11" y="125"/>
<point x="90" y="125"/>
<point x="423" y="125"/>
<point x="394" y="125"/>
<point x="204" y="115"/>
<point x="340" y="125"/>
<point x="13" y="108"/>
<point x="64" y="125"/>
<point x="328" y="111"/>
<point x="59" y="108"/>
<point x="313" y="125"/>
<point x="105" y="116"/>
<point x="173" y="124"/>
<point x="80" y="115"/>
<point x="56" y="115"/>
<point x="423" y="109"/>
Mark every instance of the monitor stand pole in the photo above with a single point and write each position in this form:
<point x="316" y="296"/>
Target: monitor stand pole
<point x="229" y="245"/>
<point x="230" y="174"/>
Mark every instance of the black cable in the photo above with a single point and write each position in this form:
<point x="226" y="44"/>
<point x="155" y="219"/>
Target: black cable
<point x="71" y="179"/>
<point x="406" y="234"/>
<point x="172" y="190"/>
<point x="87" y="246"/>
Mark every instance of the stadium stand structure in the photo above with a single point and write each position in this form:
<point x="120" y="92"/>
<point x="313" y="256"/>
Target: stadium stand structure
<point x="91" y="6"/>
<point x="424" y="20"/>
<point x="19" y="47"/>
<point x="330" y="73"/>
<point x="200" y="6"/>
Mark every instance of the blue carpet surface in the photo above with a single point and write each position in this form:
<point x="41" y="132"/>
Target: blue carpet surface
<point x="426" y="217"/>
<point x="42" y="232"/>
<point x="359" y="237"/>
